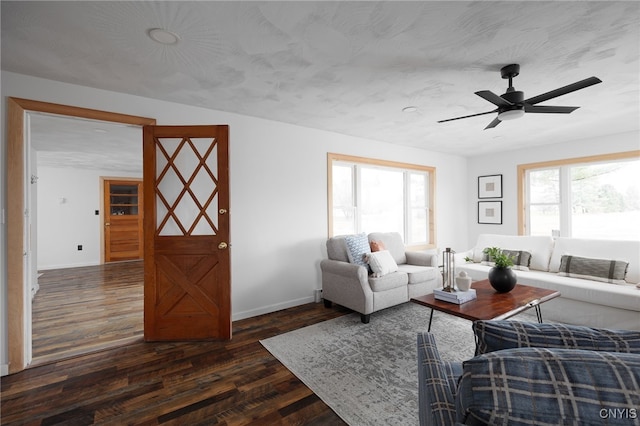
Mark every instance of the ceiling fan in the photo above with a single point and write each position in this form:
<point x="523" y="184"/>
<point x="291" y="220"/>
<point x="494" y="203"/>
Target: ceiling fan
<point x="512" y="105"/>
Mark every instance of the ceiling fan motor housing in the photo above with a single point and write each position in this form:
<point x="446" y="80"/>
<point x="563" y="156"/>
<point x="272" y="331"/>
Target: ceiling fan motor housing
<point x="516" y="97"/>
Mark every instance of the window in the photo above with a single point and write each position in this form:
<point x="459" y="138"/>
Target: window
<point x="367" y="195"/>
<point x="592" y="197"/>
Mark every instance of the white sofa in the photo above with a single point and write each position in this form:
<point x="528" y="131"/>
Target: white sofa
<point x="583" y="301"/>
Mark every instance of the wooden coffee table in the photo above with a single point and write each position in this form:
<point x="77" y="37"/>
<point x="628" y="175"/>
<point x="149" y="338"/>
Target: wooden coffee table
<point x="491" y="305"/>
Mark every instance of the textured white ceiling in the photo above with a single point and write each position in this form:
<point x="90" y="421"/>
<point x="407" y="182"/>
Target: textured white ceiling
<point x="350" y="67"/>
<point x="87" y="144"/>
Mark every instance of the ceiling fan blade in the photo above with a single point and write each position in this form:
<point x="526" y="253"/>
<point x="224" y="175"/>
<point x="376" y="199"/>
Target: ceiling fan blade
<point x="493" y="124"/>
<point x="467" y="116"/>
<point x="563" y="90"/>
<point x="493" y="98"/>
<point x="543" y="109"/>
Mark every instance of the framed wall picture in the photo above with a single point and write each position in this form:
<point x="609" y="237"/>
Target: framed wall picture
<point x="490" y="212"/>
<point x="490" y="186"/>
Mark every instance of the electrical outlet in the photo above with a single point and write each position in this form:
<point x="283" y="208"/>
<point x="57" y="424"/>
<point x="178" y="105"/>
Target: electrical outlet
<point x="79" y="247"/>
<point x="97" y="212"/>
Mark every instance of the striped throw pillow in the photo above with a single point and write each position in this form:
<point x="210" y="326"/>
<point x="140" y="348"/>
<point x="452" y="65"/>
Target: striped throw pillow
<point x="521" y="259"/>
<point x="605" y="270"/>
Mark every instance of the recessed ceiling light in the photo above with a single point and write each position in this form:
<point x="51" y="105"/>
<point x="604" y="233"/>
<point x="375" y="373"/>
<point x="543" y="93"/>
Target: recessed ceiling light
<point x="163" y="36"/>
<point x="410" y="109"/>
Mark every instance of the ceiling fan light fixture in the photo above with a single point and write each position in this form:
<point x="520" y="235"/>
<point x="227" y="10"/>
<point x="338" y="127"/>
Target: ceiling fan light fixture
<point x="511" y="104"/>
<point x="511" y="114"/>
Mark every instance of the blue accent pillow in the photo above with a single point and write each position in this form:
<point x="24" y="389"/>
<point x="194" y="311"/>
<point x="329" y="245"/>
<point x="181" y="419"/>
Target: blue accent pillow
<point x="497" y="335"/>
<point x="357" y="248"/>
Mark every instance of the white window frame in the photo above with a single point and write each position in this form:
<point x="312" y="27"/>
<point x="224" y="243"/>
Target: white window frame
<point x="564" y="166"/>
<point x="406" y="169"/>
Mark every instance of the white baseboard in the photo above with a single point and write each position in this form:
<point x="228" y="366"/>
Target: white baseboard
<point x="4" y="370"/>
<point x="271" y="308"/>
<point x="34" y="290"/>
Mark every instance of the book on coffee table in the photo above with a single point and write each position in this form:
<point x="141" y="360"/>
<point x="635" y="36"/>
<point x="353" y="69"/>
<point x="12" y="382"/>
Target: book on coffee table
<point x="457" y="297"/>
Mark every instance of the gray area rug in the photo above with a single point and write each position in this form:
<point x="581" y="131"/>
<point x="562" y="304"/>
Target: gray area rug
<point x="368" y="373"/>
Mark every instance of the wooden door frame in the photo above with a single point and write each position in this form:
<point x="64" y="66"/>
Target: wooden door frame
<point x="16" y="144"/>
<point x="103" y="213"/>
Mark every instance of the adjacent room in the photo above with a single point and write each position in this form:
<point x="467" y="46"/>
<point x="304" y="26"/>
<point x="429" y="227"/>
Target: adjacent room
<point x="319" y="212"/>
<point x="86" y="244"/>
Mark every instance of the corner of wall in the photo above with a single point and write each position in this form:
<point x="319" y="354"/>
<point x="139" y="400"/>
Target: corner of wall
<point x="4" y="368"/>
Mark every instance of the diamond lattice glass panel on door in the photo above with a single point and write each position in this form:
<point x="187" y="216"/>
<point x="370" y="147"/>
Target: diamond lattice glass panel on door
<point x="204" y="180"/>
<point x="186" y="190"/>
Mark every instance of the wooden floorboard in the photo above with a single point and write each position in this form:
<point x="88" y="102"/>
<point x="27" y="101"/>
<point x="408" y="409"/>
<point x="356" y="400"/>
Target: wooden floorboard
<point x="236" y="382"/>
<point x="77" y="310"/>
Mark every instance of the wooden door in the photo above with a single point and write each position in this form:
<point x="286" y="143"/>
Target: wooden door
<point x="123" y="209"/>
<point x="187" y="293"/>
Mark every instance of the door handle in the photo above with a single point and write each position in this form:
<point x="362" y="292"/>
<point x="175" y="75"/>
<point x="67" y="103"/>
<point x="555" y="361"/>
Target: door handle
<point x="107" y="224"/>
<point x="223" y="245"/>
<point x="222" y="211"/>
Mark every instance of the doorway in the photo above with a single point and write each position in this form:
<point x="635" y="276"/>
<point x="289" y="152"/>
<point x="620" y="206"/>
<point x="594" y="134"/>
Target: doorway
<point x="79" y="304"/>
<point x="178" y="284"/>
<point x="18" y="224"/>
<point x="122" y="219"/>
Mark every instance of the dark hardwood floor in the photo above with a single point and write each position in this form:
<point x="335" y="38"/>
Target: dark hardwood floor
<point x="235" y="382"/>
<point x="79" y="310"/>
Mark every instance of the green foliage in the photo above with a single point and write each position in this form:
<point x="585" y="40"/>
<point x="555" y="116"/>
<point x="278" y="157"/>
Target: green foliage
<point x="500" y="259"/>
<point x="592" y="192"/>
<point x="595" y="188"/>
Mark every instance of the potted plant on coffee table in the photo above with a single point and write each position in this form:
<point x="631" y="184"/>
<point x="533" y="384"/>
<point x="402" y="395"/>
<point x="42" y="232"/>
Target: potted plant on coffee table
<point x="501" y="276"/>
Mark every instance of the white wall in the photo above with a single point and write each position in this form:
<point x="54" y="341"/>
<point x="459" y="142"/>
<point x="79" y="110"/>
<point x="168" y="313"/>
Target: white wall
<point x="67" y="201"/>
<point x="506" y="163"/>
<point x="278" y="189"/>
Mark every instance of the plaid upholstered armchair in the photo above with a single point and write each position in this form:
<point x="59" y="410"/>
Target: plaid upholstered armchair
<point x="530" y="373"/>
